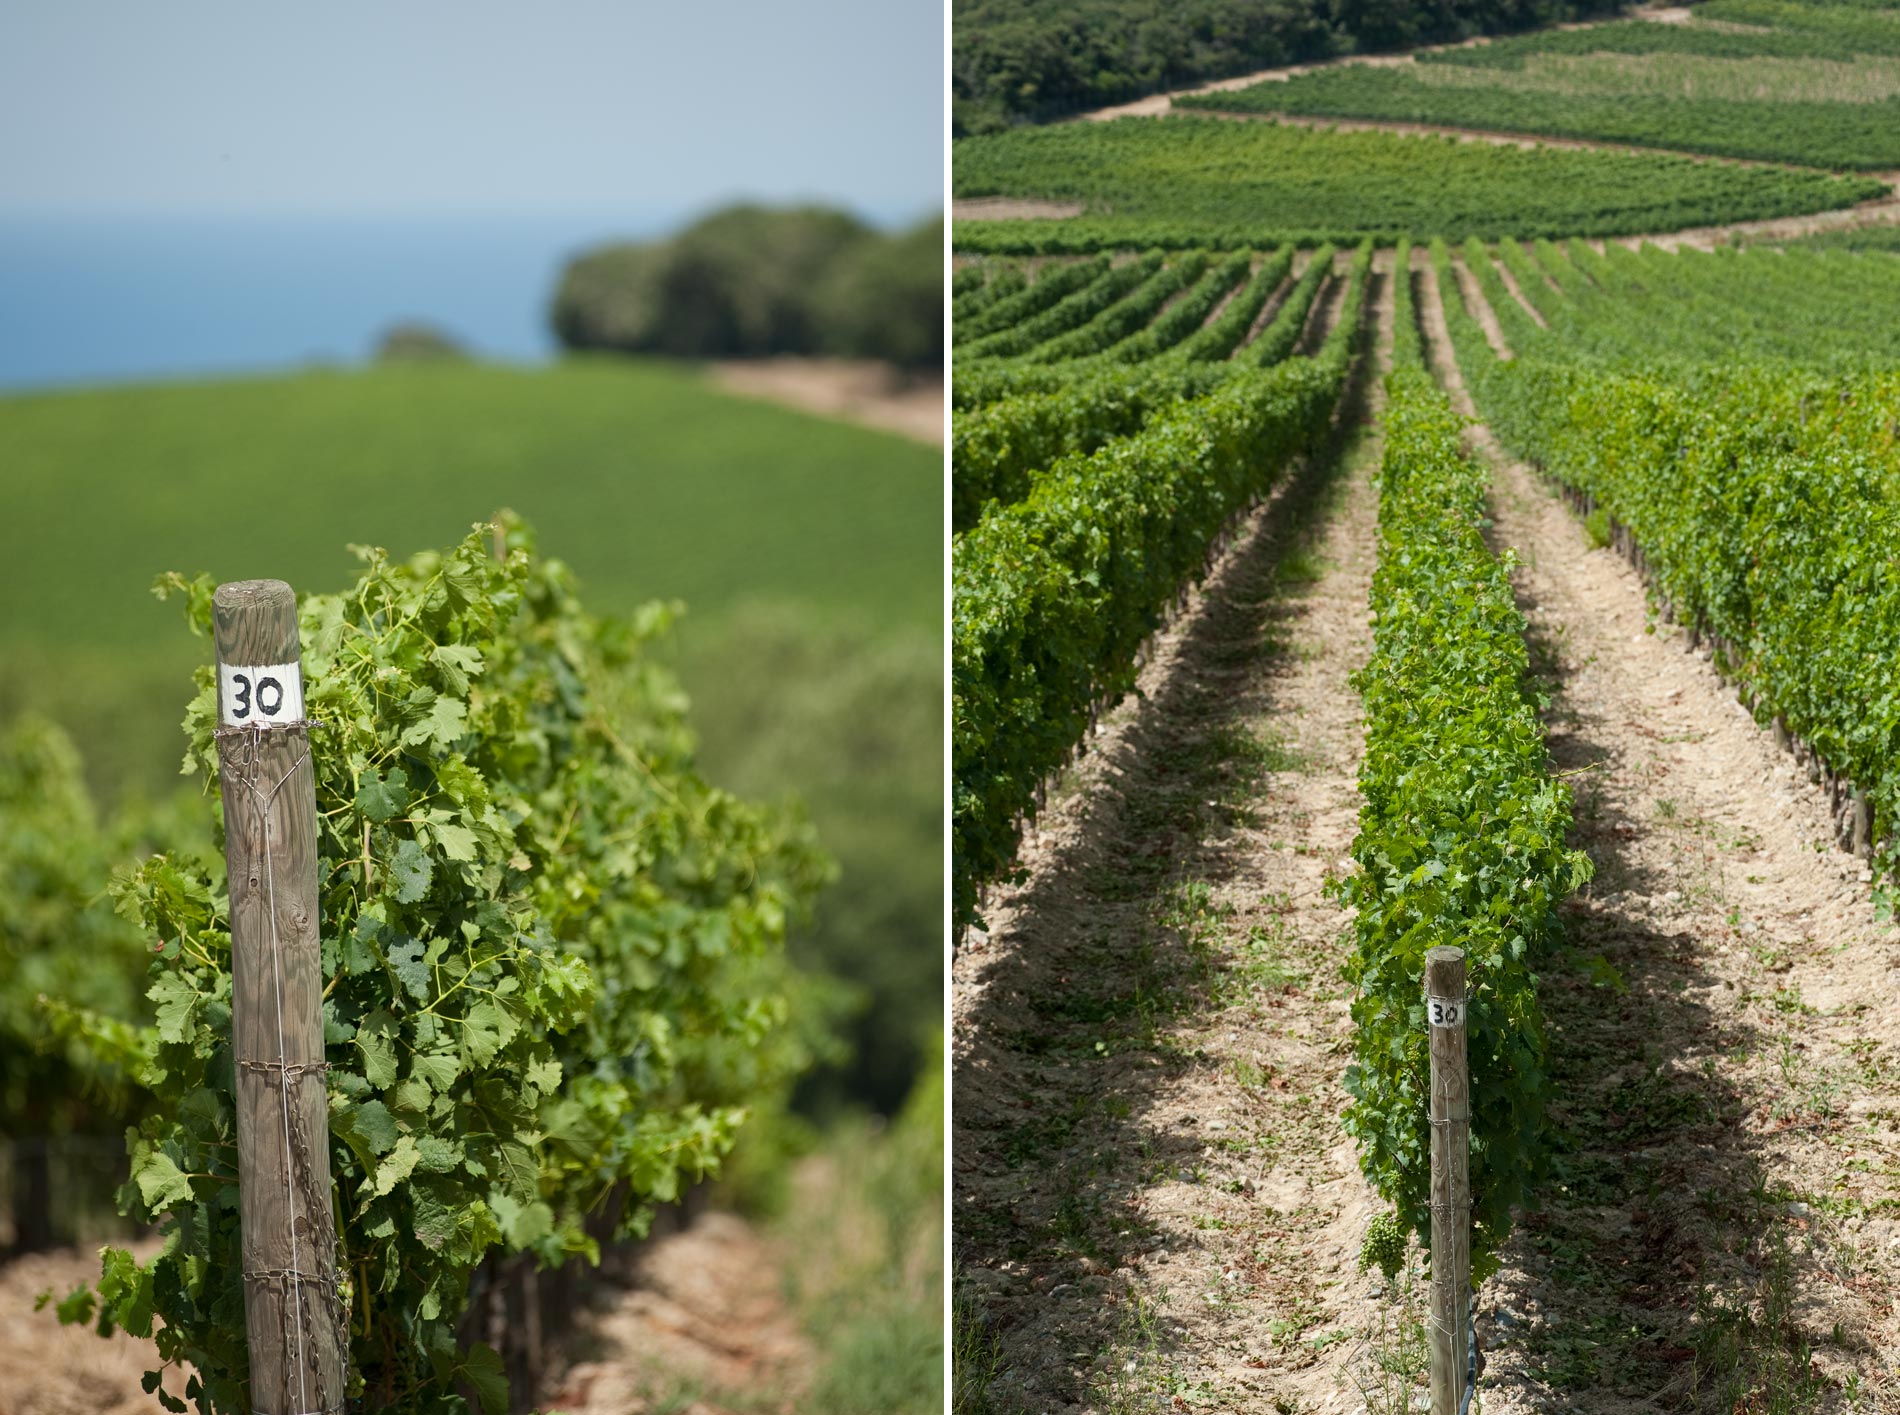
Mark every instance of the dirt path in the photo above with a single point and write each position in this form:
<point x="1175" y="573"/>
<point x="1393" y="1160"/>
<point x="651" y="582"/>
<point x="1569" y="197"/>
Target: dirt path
<point x="1234" y="292"/>
<point x="855" y="390"/>
<point x="1480" y="310"/>
<point x="1267" y="312"/>
<point x="1155" y="1205"/>
<point x="47" y="1369"/>
<point x="1321" y="317"/>
<point x="1509" y="279"/>
<point x="1720" y="1233"/>
<point x="703" y="1330"/>
<point x="1495" y="137"/>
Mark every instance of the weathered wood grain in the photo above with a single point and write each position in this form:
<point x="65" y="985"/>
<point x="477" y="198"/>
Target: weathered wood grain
<point x="293" y="1308"/>
<point x="1451" y="1185"/>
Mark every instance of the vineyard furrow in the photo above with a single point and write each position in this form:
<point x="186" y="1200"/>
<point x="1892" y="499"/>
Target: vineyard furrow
<point x="1512" y="279"/>
<point x="1320" y="318"/>
<point x="1154" y="1193"/>
<point x="1269" y="310"/>
<point x="1055" y="282"/>
<point x="1715" y="1028"/>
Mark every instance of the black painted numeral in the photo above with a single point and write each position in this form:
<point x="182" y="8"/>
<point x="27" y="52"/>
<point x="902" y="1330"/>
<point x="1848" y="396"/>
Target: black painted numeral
<point x="266" y="695"/>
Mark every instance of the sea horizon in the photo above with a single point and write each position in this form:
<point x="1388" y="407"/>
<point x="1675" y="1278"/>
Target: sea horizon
<point x="89" y="299"/>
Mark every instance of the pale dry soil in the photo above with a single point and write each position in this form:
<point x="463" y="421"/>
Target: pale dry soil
<point x="1154" y="1204"/>
<point x="47" y="1369"/>
<point x="854" y="390"/>
<point x="1722" y="1232"/>
<point x="1011" y="209"/>
<point x="702" y="1330"/>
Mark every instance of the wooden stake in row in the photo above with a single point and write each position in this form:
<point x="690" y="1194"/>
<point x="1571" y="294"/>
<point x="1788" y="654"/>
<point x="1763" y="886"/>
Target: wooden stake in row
<point x="293" y="1305"/>
<point x="1449" y="1322"/>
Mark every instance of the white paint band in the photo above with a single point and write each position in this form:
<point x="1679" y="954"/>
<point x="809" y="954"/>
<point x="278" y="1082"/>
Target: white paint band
<point x="260" y="696"/>
<point x="1445" y="1011"/>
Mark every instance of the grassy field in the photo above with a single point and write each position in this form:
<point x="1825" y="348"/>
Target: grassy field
<point x="646" y="480"/>
<point x="808" y="553"/>
<point x="1195" y="181"/>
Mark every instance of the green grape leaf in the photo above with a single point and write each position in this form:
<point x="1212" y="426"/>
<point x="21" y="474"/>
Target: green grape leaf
<point x="438" y="1068"/>
<point x="544" y="1075"/>
<point x="377" y="1041"/>
<point x="177" y="1003"/>
<point x="372" y="1123"/>
<point x="486" y="1030"/>
<point x="382" y="799"/>
<point x="438" y="1155"/>
<point x="161" y="1182"/>
<point x="444" y="723"/>
<point x="459" y="663"/>
<point x="125" y="1288"/>
<point x="524" y="1224"/>
<point x="410" y="871"/>
<point x="484" y="1372"/>
<point x="398" y="1164"/>
<point x="408" y="958"/>
<point x="458" y="841"/>
<point x="436" y="1223"/>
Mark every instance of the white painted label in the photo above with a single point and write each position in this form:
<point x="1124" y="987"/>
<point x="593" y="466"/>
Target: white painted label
<point x="1445" y="1011"/>
<point x="249" y="697"/>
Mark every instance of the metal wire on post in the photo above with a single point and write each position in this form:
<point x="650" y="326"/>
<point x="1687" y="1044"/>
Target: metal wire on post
<point x="293" y="1297"/>
<point x="285" y="1071"/>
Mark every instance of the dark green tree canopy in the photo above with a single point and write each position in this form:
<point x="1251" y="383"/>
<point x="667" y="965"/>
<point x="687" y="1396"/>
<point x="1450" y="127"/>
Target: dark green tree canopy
<point x="1016" y="61"/>
<point x="753" y="281"/>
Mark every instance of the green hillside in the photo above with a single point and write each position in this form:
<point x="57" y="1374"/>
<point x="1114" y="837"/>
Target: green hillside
<point x="807" y="551"/>
<point x="646" y="479"/>
<point x="624" y="468"/>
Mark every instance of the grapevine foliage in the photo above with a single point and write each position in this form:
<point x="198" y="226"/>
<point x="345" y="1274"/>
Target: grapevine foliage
<point x="1735" y="478"/>
<point x="1053" y="592"/>
<point x="1189" y="181"/>
<point x="1462" y="834"/>
<point x="61" y="945"/>
<point x="554" y="963"/>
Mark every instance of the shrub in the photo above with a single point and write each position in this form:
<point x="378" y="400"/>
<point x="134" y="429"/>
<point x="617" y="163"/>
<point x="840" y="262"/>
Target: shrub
<point x="556" y="978"/>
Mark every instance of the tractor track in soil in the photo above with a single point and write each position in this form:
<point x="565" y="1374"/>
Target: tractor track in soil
<point x="1722" y="1031"/>
<point x="1155" y="1203"/>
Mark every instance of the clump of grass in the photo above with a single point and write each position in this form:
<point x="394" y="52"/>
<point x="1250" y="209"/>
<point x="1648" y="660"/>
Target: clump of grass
<point x="1396" y="1354"/>
<point x="1752" y="1355"/>
<point x="865" y="1262"/>
<point x="976" y="1358"/>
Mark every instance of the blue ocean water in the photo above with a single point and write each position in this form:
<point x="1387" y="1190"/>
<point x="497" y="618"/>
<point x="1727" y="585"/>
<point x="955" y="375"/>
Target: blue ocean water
<point x="94" y="300"/>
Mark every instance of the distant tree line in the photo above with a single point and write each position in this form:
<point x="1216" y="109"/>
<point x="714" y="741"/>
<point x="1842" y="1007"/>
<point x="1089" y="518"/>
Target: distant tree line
<point x="1026" y="61"/>
<point x="753" y="281"/>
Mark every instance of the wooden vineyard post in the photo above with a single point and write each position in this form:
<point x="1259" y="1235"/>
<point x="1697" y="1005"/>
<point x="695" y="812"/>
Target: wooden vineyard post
<point x="293" y="1306"/>
<point x="1451" y="1178"/>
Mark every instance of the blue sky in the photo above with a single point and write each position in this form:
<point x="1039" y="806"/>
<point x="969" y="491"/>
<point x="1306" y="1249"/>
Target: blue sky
<point x="426" y="107"/>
